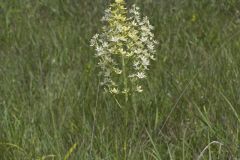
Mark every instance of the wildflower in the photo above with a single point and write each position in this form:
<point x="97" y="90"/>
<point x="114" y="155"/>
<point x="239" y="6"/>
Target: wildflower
<point x="99" y="49"/>
<point x="105" y="45"/>
<point x="139" y="89"/>
<point x="125" y="48"/>
<point x="150" y="46"/>
<point x="194" y="18"/>
<point x="143" y="39"/>
<point x="117" y="70"/>
<point x="126" y="90"/>
<point x="114" y="90"/>
<point x="145" y="61"/>
<point x="114" y="39"/>
<point x="141" y="75"/>
<point x="136" y="63"/>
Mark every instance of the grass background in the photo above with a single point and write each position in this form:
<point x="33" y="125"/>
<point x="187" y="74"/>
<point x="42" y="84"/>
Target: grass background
<point x="50" y="98"/>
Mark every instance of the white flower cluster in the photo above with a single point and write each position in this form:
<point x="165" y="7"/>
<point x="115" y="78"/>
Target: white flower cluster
<point x="124" y="48"/>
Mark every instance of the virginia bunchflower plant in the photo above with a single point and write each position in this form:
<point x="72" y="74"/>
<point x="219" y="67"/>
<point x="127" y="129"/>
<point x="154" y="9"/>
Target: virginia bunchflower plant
<point x="125" y="48"/>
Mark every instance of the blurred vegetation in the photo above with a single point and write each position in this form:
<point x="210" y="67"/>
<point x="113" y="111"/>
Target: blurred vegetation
<point x="50" y="97"/>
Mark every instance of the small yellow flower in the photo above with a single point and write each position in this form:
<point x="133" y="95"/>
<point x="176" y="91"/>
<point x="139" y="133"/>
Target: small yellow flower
<point x="126" y="90"/>
<point x="114" y="91"/>
<point x="139" y="89"/>
<point x="194" y="18"/>
<point x="117" y="71"/>
<point x="120" y="17"/>
<point x="133" y="36"/>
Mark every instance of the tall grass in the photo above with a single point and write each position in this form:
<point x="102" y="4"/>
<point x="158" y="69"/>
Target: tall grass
<point x="52" y="106"/>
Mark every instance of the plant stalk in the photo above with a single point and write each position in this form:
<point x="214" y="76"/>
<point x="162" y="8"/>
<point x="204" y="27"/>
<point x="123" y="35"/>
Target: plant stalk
<point x="125" y="80"/>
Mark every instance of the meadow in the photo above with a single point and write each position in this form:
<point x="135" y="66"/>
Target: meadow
<point x="52" y="106"/>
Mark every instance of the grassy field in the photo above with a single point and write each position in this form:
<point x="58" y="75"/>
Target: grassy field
<point x="52" y="107"/>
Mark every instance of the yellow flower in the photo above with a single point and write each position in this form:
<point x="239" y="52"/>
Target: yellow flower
<point x="194" y="18"/>
<point x="114" y="91"/>
<point x="139" y="89"/>
<point x="117" y="71"/>
<point x="120" y="17"/>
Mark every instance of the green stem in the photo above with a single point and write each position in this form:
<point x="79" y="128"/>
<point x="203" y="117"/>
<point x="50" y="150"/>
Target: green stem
<point x="126" y="90"/>
<point x="125" y="80"/>
<point x="126" y="108"/>
<point x="134" y="105"/>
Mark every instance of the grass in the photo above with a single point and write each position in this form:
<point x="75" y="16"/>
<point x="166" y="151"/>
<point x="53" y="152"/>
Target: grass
<point x="53" y="108"/>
